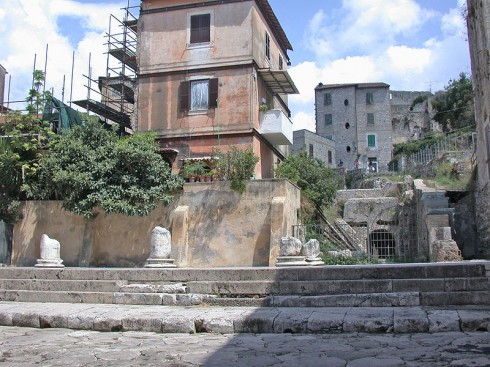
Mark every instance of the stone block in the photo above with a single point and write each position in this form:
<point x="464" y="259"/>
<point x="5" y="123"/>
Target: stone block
<point x="412" y="320"/>
<point x="148" y="324"/>
<point x="258" y="321"/>
<point x="443" y="320"/>
<point x="326" y="321"/>
<point x="25" y="319"/>
<point x="445" y="250"/>
<point x="369" y="320"/>
<point x="294" y="321"/>
<point x="474" y="320"/>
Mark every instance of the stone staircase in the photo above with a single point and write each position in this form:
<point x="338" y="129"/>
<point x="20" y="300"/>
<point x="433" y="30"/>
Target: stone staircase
<point x="442" y="284"/>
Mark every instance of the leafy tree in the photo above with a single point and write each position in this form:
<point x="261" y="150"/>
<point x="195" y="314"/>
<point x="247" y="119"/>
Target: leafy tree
<point x="24" y="137"/>
<point x="454" y="105"/>
<point x="89" y="166"/>
<point x="317" y="182"/>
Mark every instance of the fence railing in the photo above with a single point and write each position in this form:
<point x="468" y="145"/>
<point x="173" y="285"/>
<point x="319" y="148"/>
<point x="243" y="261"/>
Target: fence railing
<point x="451" y="144"/>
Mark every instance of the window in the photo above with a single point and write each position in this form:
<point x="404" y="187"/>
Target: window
<point x="346" y="102"/>
<point x="281" y="63"/>
<point x="198" y="95"/>
<point x="371" y="140"/>
<point x="328" y="119"/>
<point x="200" y="28"/>
<point x="267" y="46"/>
<point x="311" y="150"/>
<point x="369" y="97"/>
<point x="348" y="149"/>
<point x="327" y="99"/>
<point x="329" y="137"/>
<point x="347" y="125"/>
<point x="330" y="156"/>
<point x="370" y="118"/>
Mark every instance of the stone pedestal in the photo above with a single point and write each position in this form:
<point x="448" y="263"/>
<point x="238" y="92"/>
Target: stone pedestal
<point x="290" y="253"/>
<point x="161" y="245"/>
<point x="291" y="261"/>
<point x="50" y="253"/>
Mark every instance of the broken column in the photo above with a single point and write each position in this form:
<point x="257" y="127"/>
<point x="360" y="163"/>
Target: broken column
<point x="311" y="251"/>
<point x="50" y="253"/>
<point x="160" y="247"/>
<point x="290" y="253"/>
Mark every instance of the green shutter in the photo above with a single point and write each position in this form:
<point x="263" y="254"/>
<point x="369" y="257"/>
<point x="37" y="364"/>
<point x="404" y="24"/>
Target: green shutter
<point x="371" y="141"/>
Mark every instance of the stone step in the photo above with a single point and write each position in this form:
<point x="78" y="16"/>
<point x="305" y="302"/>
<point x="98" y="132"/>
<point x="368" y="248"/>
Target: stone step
<point x="455" y="298"/>
<point x="143" y="275"/>
<point x="320" y="287"/>
<point x="165" y="299"/>
<point x="62" y="285"/>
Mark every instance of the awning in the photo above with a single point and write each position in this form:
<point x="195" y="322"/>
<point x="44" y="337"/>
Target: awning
<point x="278" y="81"/>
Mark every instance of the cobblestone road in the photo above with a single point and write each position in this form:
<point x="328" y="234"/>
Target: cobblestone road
<point x="64" y="347"/>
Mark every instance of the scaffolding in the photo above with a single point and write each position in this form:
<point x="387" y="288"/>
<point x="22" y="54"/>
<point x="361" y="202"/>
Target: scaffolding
<point x="115" y="90"/>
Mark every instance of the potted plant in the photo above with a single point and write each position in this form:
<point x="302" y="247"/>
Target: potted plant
<point x="192" y="170"/>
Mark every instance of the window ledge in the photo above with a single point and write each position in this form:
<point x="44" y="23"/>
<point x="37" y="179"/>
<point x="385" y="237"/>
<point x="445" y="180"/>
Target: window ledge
<point x="197" y="112"/>
<point x="196" y="46"/>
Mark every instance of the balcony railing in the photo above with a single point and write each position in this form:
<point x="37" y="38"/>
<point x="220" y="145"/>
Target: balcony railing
<point x="276" y="127"/>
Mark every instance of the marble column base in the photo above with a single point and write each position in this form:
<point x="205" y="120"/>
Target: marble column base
<point x="49" y="263"/>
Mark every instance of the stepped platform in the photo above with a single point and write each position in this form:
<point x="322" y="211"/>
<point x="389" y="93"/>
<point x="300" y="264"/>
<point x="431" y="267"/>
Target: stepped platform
<point x="381" y="298"/>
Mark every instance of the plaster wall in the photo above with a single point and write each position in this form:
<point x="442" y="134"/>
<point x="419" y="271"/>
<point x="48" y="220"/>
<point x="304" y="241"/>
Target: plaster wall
<point x="478" y="22"/>
<point x="224" y="229"/>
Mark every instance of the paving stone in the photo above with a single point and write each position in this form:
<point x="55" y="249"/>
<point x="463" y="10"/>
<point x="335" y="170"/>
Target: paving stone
<point x="474" y="320"/>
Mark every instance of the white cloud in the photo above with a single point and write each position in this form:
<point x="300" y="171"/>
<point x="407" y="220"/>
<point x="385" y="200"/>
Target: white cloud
<point x="303" y="120"/>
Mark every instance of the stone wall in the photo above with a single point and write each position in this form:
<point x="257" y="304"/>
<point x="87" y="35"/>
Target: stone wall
<point x="211" y="225"/>
<point x="323" y="148"/>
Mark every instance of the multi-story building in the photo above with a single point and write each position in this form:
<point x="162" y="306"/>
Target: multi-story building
<point x="212" y="74"/>
<point x="315" y="145"/>
<point x="478" y="21"/>
<point x="366" y="119"/>
<point x="357" y="118"/>
<point x="3" y="72"/>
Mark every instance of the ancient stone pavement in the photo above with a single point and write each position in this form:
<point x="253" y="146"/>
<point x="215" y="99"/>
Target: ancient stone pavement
<point x="65" y="347"/>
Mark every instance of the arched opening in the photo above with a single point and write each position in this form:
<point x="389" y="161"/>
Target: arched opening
<point x="382" y="244"/>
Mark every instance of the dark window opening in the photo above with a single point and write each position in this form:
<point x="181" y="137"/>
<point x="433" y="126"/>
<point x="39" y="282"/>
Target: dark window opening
<point x="369" y="97"/>
<point x="346" y="102"/>
<point x="347" y="125"/>
<point x="267" y="46"/>
<point x="281" y="63"/>
<point x="348" y="149"/>
<point x="382" y="244"/>
<point x="200" y="28"/>
<point x="311" y="150"/>
<point x="370" y="118"/>
<point x="330" y="157"/>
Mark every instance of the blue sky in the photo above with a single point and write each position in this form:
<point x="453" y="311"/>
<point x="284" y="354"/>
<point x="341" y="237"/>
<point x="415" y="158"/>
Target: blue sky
<point x="409" y="44"/>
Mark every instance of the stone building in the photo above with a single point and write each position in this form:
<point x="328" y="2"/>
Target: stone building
<point x="478" y="22"/>
<point x="315" y="145"/>
<point x="213" y="74"/>
<point x="357" y="118"/>
<point x="366" y="119"/>
<point x="410" y="115"/>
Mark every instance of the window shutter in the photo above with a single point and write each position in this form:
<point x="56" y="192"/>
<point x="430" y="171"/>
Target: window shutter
<point x="184" y="96"/>
<point x="213" y="93"/>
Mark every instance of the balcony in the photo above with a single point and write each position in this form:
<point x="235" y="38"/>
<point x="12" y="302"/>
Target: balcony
<point x="276" y="127"/>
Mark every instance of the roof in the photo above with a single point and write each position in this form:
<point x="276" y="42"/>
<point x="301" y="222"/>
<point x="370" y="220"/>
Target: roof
<point x="321" y="86"/>
<point x="274" y="24"/>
